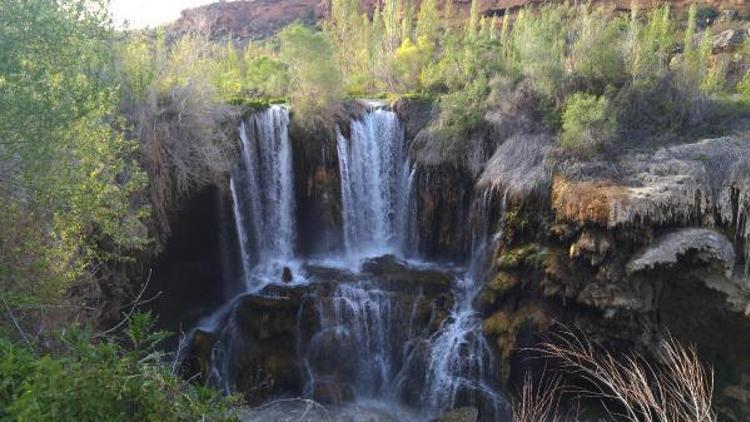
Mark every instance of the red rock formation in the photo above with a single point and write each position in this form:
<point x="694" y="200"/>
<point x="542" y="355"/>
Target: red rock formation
<point x="247" y="19"/>
<point x="256" y="19"/>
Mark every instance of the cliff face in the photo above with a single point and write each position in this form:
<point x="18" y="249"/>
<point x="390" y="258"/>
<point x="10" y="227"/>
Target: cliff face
<point x="246" y="20"/>
<point x="625" y="248"/>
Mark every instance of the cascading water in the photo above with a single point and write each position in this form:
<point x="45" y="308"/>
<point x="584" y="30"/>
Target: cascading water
<point x="361" y="337"/>
<point x="374" y="179"/>
<point x="262" y="190"/>
<point x="460" y="361"/>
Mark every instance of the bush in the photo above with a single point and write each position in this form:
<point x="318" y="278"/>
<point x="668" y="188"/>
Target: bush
<point x="538" y="48"/>
<point x="463" y="110"/>
<point x="315" y="80"/>
<point x="598" y="51"/>
<point x="98" y="380"/>
<point x="587" y="123"/>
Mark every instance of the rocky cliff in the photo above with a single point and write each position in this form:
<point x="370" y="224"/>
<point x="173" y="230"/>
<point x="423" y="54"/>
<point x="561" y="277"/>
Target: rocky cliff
<point x="246" y="20"/>
<point x="626" y="248"/>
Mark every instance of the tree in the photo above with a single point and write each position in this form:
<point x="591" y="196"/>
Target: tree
<point x="428" y="21"/>
<point x="315" y="80"/>
<point x="587" y="123"/>
<point x="598" y="51"/>
<point x="538" y="48"/>
<point x="61" y="152"/>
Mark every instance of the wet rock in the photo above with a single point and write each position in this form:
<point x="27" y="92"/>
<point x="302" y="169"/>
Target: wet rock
<point x="397" y="274"/>
<point x="592" y="244"/>
<point x="286" y="275"/>
<point x="463" y="414"/>
<point x="704" y="246"/>
<point x="498" y="286"/>
<point x="414" y="113"/>
<point x="528" y="256"/>
<point x="386" y="264"/>
<point x="317" y="189"/>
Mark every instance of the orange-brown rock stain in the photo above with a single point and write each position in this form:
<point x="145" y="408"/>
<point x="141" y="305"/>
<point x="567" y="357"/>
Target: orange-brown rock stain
<point x="587" y="202"/>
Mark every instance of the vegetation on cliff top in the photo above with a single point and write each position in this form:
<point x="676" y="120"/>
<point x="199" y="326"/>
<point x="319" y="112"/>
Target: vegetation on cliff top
<point x="654" y="70"/>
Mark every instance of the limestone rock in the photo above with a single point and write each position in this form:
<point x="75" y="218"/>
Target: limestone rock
<point x="705" y="184"/>
<point x="245" y="20"/>
<point x="591" y="244"/>
<point x="728" y="15"/>
<point x="517" y="166"/>
<point x="706" y="245"/>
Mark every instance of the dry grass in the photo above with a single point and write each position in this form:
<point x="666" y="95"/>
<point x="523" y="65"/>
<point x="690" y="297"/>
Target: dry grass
<point x="185" y="140"/>
<point x="677" y="388"/>
<point x="540" y="403"/>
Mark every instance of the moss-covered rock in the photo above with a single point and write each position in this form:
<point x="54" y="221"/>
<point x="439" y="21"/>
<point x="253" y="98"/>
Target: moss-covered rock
<point x="530" y="256"/>
<point x="504" y="326"/>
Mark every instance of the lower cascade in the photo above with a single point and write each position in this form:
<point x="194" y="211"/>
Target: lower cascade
<point x="368" y="331"/>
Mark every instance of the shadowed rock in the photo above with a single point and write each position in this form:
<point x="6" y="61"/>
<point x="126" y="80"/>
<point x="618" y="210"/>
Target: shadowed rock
<point x="706" y="245"/>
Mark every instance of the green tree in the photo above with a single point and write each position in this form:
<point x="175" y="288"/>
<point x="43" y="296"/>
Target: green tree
<point x="587" y="123"/>
<point x="315" y="81"/>
<point x="428" y="21"/>
<point x="267" y="76"/>
<point x="538" y="48"/>
<point x="598" y="52"/>
<point x="62" y="154"/>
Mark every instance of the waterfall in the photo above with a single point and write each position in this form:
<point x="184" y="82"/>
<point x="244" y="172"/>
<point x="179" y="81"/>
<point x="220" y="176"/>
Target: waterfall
<point x="359" y="322"/>
<point x="460" y="362"/>
<point x="376" y="330"/>
<point x="263" y="192"/>
<point x="374" y="176"/>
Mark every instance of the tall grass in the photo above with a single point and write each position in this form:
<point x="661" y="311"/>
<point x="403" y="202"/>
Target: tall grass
<point x="678" y="387"/>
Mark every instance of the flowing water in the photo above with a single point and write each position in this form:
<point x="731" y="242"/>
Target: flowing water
<point x="262" y="189"/>
<point x="374" y="184"/>
<point x="373" y="344"/>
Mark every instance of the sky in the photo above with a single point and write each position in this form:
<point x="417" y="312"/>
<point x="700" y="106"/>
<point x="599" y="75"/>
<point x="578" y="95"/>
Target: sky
<point x="143" y="13"/>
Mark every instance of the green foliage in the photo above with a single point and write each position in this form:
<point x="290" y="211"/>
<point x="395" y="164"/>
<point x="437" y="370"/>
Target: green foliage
<point x="428" y="22"/>
<point x="315" y="80"/>
<point x="743" y="86"/>
<point x="94" y="379"/>
<point x="463" y="110"/>
<point x="651" y="44"/>
<point x="538" y="48"/>
<point x="598" y="51"/>
<point x="64" y="156"/>
<point x="587" y="124"/>
<point x="267" y="76"/>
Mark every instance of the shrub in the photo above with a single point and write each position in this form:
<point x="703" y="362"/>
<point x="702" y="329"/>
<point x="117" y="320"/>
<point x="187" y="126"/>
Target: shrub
<point x="598" y="51"/>
<point x="587" y="123"/>
<point x="538" y="48"/>
<point x="99" y="379"/>
<point x="315" y="80"/>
